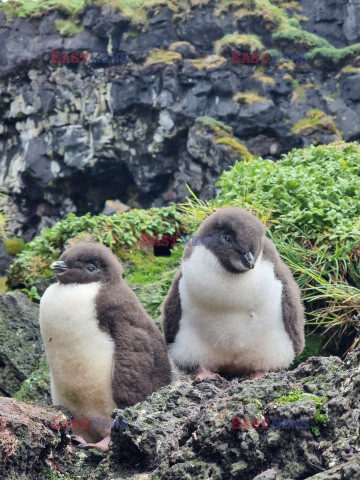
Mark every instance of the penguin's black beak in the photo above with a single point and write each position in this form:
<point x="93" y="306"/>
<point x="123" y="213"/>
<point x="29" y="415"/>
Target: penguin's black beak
<point x="59" y="267"/>
<point x="247" y="260"/>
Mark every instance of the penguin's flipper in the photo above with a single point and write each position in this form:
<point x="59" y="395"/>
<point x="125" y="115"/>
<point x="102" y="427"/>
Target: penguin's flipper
<point x="172" y="310"/>
<point x="292" y="307"/>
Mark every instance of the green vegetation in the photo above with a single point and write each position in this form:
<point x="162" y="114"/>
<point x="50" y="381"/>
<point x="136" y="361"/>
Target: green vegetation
<point x="301" y="38"/>
<point x="162" y="56"/>
<point x="235" y="144"/>
<point x="224" y="136"/>
<point x="248" y="97"/>
<point x="263" y="78"/>
<point x="315" y="120"/>
<point x="68" y="28"/>
<point x="35" y="389"/>
<point x="321" y="419"/>
<point x="14" y="245"/>
<point x="248" y="42"/>
<point x="121" y="232"/>
<point x="334" y="55"/>
<point x="212" y="61"/>
<point x="25" y="8"/>
<point x="214" y="124"/>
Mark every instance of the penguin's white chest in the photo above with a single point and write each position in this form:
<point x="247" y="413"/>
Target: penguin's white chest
<point x="79" y="353"/>
<point x="230" y="319"/>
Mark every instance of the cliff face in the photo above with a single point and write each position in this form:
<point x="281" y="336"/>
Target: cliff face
<point x="74" y="135"/>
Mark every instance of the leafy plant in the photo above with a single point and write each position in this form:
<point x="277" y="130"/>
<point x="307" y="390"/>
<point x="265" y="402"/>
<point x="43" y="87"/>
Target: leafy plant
<point x="121" y="232"/>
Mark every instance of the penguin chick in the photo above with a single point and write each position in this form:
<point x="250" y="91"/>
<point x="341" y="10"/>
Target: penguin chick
<point x="234" y="306"/>
<point x="104" y="350"/>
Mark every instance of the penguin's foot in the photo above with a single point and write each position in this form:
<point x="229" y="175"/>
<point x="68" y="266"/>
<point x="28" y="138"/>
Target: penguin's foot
<point x="103" y="445"/>
<point x="204" y="372"/>
<point x="256" y="375"/>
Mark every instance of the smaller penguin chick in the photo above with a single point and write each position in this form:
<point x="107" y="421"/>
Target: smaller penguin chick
<point x="104" y="350"/>
<point x="234" y="307"/>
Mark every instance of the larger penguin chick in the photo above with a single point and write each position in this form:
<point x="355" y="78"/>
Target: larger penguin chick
<point x="234" y="306"/>
<point x="103" y="349"/>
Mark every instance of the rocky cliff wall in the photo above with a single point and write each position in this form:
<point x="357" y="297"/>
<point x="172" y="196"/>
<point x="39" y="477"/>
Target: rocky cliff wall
<point x="74" y="135"/>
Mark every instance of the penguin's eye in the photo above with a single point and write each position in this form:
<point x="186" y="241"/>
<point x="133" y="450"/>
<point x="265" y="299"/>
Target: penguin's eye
<point x="91" y="268"/>
<point x="227" y="239"/>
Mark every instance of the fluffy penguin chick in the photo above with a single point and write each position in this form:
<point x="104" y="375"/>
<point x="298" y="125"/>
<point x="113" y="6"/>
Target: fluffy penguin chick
<point x="233" y="307"/>
<point x="104" y="350"/>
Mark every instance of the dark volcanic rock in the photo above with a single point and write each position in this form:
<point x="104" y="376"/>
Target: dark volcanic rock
<point x="20" y="340"/>
<point x="184" y="431"/>
<point x="74" y="135"/>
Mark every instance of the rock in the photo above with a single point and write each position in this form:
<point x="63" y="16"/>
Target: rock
<point x="20" y="340"/>
<point x="184" y="431"/>
<point x="26" y="439"/>
<point x="115" y="206"/>
<point x="75" y="135"/>
<point x="5" y="259"/>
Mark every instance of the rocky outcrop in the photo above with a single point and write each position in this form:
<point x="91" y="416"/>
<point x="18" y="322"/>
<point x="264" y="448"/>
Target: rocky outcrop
<point x="75" y="135"/>
<point x="186" y="431"/>
<point x="300" y="424"/>
<point x="20" y="340"/>
<point x="337" y="21"/>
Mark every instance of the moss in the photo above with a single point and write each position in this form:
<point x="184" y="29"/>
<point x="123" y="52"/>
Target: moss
<point x="287" y="65"/>
<point x="264" y="78"/>
<point x="301" y="38"/>
<point x="36" y="388"/>
<point x="68" y="28"/>
<point x="299" y="92"/>
<point x="334" y="55"/>
<point x="350" y="69"/>
<point x="3" y="286"/>
<point x="248" y="97"/>
<point x="248" y="42"/>
<point x="315" y="120"/>
<point x="162" y="56"/>
<point x="212" y="61"/>
<point x="14" y="245"/>
<point x="213" y="124"/>
<point x="146" y="268"/>
<point x="235" y="145"/>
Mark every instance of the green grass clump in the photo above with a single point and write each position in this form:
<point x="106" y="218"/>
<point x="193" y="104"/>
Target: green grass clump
<point x="235" y="145"/>
<point x="315" y="120"/>
<point x="213" y="124"/>
<point x="334" y="55"/>
<point x="247" y="42"/>
<point x="26" y="8"/>
<point x="121" y="232"/>
<point x="248" y="97"/>
<point x="68" y="28"/>
<point x="162" y="56"/>
<point x="212" y="61"/>
<point x="300" y="38"/>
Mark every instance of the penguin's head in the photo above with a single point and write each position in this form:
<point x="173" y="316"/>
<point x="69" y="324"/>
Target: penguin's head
<point x="237" y="238"/>
<point x="87" y="262"/>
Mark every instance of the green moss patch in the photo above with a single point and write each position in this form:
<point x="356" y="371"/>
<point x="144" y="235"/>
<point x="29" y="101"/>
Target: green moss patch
<point x="315" y="120"/>
<point x="162" y="56"/>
